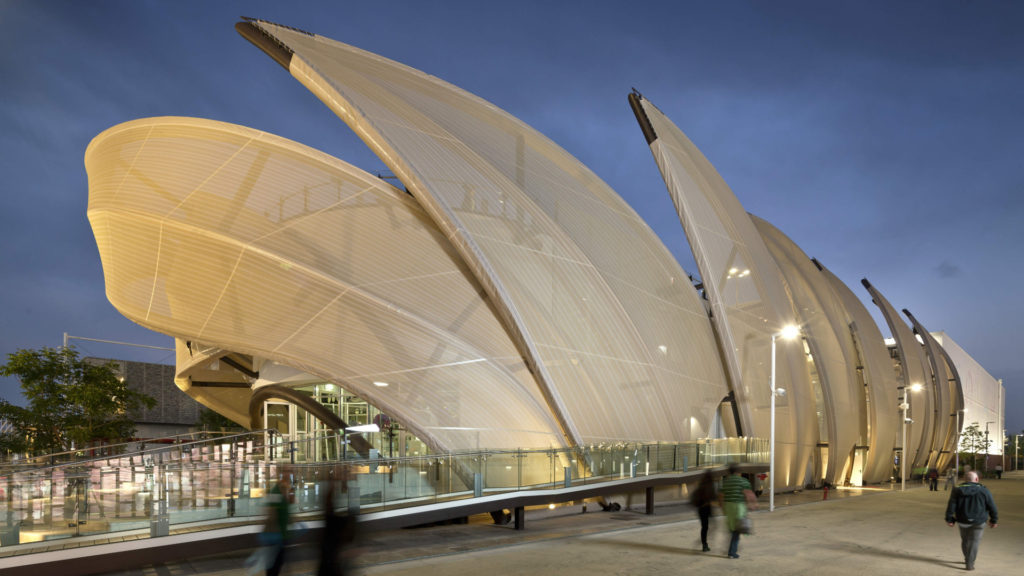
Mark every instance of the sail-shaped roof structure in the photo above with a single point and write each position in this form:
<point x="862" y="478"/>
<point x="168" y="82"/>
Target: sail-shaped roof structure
<point x="877" y="374"/>
<point x="251" y="243"/>
<point x="602" y="314"/>
<point x="504" y="296"/>
<point x="916" y="380"/>
<point x="821" y="318"/>
<point x="745" y="290"/>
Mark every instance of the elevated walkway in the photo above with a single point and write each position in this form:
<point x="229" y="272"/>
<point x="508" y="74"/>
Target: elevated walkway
<point x="166" y="518"/>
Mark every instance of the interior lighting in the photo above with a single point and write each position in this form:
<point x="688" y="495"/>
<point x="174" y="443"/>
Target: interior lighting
<point x="381" y="384"/>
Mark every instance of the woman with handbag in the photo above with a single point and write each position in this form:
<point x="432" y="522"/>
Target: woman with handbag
<point x="735" y="495"/>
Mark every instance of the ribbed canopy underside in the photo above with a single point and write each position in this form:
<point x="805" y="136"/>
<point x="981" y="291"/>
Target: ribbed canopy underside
<point x="255" y="244"/>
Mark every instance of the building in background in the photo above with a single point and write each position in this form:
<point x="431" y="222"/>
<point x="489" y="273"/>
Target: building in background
<point x="175" y="412"/>
<point x="984" y="395"/>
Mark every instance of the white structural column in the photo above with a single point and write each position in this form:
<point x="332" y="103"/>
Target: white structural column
<point x="787" y="333"/>
<point x="904" y="406"/>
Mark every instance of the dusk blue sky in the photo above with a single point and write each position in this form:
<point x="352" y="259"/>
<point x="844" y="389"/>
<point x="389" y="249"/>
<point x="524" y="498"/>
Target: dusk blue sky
<point x="885" y="138"/>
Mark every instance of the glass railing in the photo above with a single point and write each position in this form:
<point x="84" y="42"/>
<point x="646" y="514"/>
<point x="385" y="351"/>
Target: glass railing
<point x="152" y="492"/>
<point x="22" y="462"/>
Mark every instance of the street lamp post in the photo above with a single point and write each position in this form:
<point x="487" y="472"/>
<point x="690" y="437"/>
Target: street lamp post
<point x="987" y="443"/>
<point x="959" y="426"/>
<point x="905" y="407"/>
<point x="787" y="333"/>
<point x="1017" y="448"/>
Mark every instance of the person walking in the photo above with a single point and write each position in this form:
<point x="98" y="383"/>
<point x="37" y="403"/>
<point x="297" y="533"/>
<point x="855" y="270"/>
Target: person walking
<point x="703" y="497"/>
<point x="276" y="533"/>
<point x="970" y="504"/>
<point x="734" y="497"/>
<point x="950" y="479"/>
<point x="933" y="480"/>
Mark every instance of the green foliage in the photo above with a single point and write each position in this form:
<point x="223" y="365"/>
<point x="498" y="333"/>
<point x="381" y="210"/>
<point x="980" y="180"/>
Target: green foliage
<point x="972" y="443"/>
<point x="70" y="400"/>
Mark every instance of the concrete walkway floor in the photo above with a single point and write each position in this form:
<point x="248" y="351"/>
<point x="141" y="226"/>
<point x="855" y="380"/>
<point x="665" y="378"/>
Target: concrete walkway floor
<point x="856" y="532"/>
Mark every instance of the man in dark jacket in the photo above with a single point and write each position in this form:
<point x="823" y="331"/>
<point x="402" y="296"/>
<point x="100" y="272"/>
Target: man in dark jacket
<point x="970" y="504"/>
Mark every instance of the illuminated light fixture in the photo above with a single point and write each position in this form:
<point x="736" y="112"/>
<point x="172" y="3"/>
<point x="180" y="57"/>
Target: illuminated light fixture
<point x="381" y="384"/>
<point x="551" y="506"/>
<point x="916" y="387"/>
<point x="663" y="349"/>
<point x="363" y="428"/>
<point x="789" y="332"/>
<point x="733" y="271"/>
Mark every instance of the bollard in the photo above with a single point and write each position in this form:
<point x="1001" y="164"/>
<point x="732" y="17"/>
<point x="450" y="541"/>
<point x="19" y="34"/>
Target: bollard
<point x="825" y="492"/>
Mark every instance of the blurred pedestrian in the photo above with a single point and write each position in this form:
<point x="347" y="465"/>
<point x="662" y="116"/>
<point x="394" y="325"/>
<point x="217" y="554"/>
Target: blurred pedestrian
<point x="704" y="495"/>
<point x="970" y="504"/>
<point x="336" y="546"/>
<point x="950" y="479"/>
<point x="735" y="496"/>
<point x="933" y="480"/>
<point x="275" y="535"/>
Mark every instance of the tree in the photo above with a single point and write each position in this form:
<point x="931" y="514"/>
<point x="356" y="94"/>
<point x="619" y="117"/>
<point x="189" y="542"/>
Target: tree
<point x="973" y="442"/>
<point x="71" y="401"/>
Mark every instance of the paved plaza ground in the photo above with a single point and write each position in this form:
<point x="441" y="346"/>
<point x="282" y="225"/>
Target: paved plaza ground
<point x="861" y="532"/>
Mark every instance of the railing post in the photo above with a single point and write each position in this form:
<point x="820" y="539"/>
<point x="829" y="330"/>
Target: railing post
<point x="478" y="485"/>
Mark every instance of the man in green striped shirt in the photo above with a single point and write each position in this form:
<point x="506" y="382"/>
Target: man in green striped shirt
<point x="735" y="496"/>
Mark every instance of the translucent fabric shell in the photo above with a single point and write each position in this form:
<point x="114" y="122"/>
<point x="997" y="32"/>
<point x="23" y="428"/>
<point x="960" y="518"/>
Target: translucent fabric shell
<point x="879" y="378"/>
<point x="746" y="292"/>
<point x="943" y="433"/>
<point x="251" y="243"/>
<point x="604" y="317"/>
<point x="915" y="370"/>
<point x="822" y="319"/>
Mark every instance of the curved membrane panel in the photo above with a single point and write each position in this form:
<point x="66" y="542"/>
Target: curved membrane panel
<point x="915" y="371"/>
<point x="943" y="400"/>
<point x="879" y="376"/>
<point x="604" y="316"/>
<point x="822" y="320"/>
<point x="746" y="292"/>
<point x="255" y="244"/>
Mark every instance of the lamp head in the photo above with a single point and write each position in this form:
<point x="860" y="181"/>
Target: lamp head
<point x="789" y="332"/>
